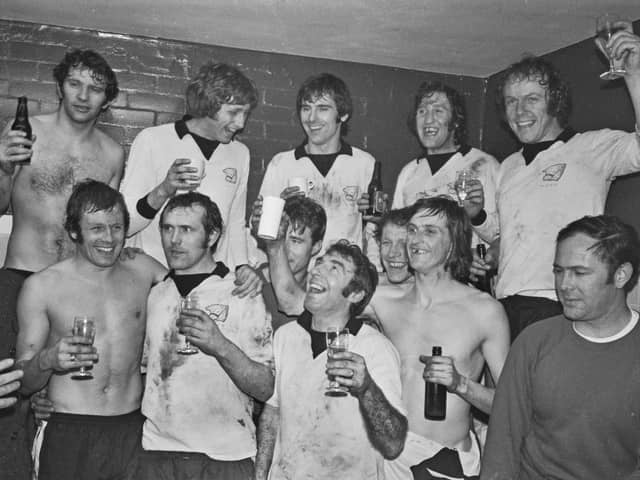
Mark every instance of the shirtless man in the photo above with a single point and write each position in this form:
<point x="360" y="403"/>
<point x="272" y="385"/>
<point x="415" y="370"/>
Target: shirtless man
<point x="469" y="325"/>
<point x="36" y="178"/>
<point x="99" y="416"/>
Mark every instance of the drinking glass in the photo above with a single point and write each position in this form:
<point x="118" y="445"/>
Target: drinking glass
<point x="187" y="303"/>
<point x="337" y="341"/>
<point x="606" y="25"/>
<point x="463" y="180"/>
<point x="83" y="327"/>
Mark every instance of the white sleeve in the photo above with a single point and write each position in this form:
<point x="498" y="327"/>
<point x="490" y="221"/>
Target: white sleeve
<point x="398" y="201"/>
<point x="490" y="228"/>
<point x="139" y="179"/>
<point x="619" y="151"/>
<point x="271" y="182"/>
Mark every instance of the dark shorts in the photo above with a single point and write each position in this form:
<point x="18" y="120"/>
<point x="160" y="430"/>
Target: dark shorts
<point x="16" y="423"/>
<point x="157" y="465"/>
<point x="91" y="447"/>
<point x="522" y="311"/>
<point x="445" y="462"/>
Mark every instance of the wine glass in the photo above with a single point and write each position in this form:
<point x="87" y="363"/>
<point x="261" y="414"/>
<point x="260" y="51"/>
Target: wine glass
<point x="463" y="180"/>
<point x="83" y="327"/>
<point x="187" y="303"/>
<point x="606" y="25"/>
<point x="337" y="341"/>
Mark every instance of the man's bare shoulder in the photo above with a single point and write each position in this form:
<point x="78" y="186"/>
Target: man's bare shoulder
<point x="486" y="310"/>
<point x="144" y="267"/>
<point x="112" y="150"/>
<point x="51" y="278"/>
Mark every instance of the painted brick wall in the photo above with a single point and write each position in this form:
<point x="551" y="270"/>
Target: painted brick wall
<point x="152" y="74"/>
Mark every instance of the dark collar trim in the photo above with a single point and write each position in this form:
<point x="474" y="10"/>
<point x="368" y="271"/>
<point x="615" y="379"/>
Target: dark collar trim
<point x="300" y="152"/>
<point x="462" y="149"/>
<point x="181" y="126"/>
<point x="221" y="271"/>
<point x="304" y="320"/>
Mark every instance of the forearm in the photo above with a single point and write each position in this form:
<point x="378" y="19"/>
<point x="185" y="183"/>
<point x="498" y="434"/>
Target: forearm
<point x="253" y="378"/>
<point x="37" y="372"/>
<point x="289" y="294"/>
<point x="387" y="428"/>
<point x="633" y="85"/>
<point x="267" y="431"/>
<point x="6" y="184"/>
<point x="476" y="394"/>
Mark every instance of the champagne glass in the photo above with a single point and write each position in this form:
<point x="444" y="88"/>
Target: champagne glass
<point x="187" y="303"/>
<point x="463" y="180"/>
<point x="606" y="25"/>
<point x="337" y="341"/>
<point x="83" y="327"/>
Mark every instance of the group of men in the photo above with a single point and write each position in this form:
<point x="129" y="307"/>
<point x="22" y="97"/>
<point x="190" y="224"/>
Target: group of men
<point x="192" y="416"/>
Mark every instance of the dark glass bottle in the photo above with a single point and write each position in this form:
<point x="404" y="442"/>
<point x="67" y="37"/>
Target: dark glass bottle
<point x="435" y="396"/>
<point x="21" y="121"/>
<point x="376" y="195"/>
<point x="483" y="283"/>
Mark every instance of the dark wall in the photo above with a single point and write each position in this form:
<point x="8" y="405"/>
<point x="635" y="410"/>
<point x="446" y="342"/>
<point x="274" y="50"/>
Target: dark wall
<point x="153" y="75"/>
<point x="596" y="104"/>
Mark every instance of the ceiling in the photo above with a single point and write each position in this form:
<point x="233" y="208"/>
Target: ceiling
<point x="465" y="37"/>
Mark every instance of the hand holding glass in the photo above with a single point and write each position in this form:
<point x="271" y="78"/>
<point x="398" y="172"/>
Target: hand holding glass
<point x="463" y="180"/>
<point x="83" y="327"/>
<point x="187" y="303"/>
<point x="337" y="341"/>
<point x="606" y="25"/>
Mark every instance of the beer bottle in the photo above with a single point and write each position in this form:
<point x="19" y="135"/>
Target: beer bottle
<point x="483" y="283"/>
<point x="376" y="195"/>
<point x="435" y="396"/>
<point x="21" y="121"/>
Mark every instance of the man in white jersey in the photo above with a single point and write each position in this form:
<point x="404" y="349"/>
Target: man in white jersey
<point x="198" y="407"/>
<point x="305" y="434"/>
<point x="95" y="429"/>
<point x="219" y="99"/>
<point x="470" y="327"/>
<point x="36" y="178"/>
<point x="336" y="173"/>
<point x="557" y="177"/>
<point x="439" y="122"/>
<point x="568" y="402"/>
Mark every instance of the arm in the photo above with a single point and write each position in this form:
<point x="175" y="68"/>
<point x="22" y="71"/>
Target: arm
<point x="9" y="383"/>
<point x="119" y="167"/>
<point x="626" y="43"/>
<point x="510" y="419"/>
<point x="267" y="432"/>
<point x="253" y="378"/>
<point x="236" y="224"/>
<point x="481" y="201"/>
<point x="33" y="356"/>
<point x="494" y="348"/>
<point x="14" y="147"/>
<point x="289" y="293"/>
<point x="386" y="426"/>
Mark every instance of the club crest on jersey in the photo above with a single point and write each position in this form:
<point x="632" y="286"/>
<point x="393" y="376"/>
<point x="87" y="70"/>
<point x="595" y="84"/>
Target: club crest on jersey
<point x="554" y="172"/>
<point x="230" y="175"/>
<point x="351" y="193"/>
<point x="217" y="311"/>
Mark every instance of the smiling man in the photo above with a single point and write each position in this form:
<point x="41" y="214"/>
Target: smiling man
<point x="439" y="121"/>
<point x="36" y="178"/>
<point x="557" y="176"/>
<point x="305" y="434"/>
<point x="337" y="174"/>
<point x="469" y="325"/>
<point x="219" y="100"/>
<point x="568" y="402"/>
<point x="95" y="429"/>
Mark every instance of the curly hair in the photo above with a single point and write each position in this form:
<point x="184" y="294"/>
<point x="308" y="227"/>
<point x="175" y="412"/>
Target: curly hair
<point x="542" y="71"/>
<point x="100" y="70"/>
<point x="458" y="121"/>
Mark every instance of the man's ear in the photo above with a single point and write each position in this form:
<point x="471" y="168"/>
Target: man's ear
<point x="355" y="297"/>
<point x="344" y="118"/>
<point x="315" y="248"/>
<point x="213" y="238"/>
<point x="106" y="105"/>
<point x="622" y="275"/>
